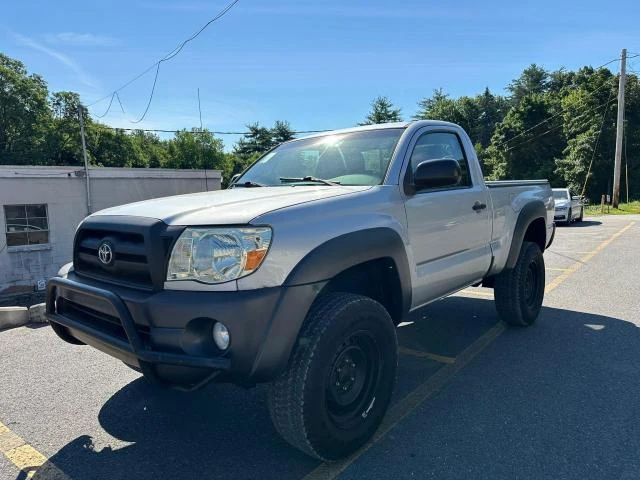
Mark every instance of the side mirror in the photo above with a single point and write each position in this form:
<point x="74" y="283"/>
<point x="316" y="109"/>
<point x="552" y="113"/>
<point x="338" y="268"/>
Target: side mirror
<point x="436" y="174"/>
<point x="234" y="179"/>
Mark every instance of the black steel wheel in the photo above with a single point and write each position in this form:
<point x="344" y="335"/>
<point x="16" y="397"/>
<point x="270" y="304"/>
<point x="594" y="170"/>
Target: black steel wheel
<point x="519" y="291"/>
<point x="340" y="378"/>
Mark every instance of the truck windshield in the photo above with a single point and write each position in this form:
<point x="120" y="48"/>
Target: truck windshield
<point x="356" y="158"/>
<point x="560" y="194"/>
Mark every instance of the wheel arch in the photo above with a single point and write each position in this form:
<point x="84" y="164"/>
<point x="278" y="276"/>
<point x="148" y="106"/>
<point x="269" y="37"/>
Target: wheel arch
<point x="371" y="262"/>
<point x="530" y="226"/>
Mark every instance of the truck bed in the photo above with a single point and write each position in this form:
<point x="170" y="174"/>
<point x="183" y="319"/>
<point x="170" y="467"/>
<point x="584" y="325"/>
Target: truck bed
<point x="514" y="183"/>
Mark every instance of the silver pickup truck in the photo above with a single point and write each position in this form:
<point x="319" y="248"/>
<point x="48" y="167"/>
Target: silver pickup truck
<point x="298" y="273"/>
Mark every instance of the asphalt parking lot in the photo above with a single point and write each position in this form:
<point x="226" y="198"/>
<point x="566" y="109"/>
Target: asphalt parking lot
<point x="473" y="400"/>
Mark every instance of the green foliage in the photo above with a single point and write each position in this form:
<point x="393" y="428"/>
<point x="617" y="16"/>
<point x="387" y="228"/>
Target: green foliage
<point x="478" y="115"/>
<point x="517" y="150"/>
<point x="261" y="139"/>
<point x="382" y="111"/>
<point x="25" y="116"/>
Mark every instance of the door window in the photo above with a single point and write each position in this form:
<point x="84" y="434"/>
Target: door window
<point x="439" y="145"/>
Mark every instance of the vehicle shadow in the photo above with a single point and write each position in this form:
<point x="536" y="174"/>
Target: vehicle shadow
<point x="558" y="400"/>
<point x="583" y="224"/>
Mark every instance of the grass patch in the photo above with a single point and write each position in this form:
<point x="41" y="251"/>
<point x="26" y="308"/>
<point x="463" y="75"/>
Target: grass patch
<point x="624" y="209"/>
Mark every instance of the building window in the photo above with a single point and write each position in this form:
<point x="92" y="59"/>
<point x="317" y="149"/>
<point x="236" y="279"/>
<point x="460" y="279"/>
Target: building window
<point x="26" y="224"/>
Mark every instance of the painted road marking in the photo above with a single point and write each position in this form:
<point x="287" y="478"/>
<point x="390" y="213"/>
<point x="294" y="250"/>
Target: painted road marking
<point x="26" y="458"/>
<point x="427" y="355"/>
<point x="556" y="269"/>
<point x="556" y="282"/>
<point x="568" y="252"/>
<point x="478" y="293"/>
<point x="409" y="403"/>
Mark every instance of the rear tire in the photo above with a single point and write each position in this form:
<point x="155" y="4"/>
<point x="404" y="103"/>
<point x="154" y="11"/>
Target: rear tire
<point x="569" y="214"/>
<point x="340" y="377"/>
<point x="519" y="291"/>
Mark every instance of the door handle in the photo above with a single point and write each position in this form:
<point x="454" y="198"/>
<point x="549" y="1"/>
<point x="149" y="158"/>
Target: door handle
<point x="479" y="206"/>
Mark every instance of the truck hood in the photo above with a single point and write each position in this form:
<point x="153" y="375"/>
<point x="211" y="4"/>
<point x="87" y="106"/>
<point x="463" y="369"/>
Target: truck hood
<point x="227" y="207"/>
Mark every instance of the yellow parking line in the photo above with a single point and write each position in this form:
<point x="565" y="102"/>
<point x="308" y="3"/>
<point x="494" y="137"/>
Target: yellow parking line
<point x="427" y="355"/>
<point x="26" y="458"/>
<point x="475" y="292"/>
<point x="569" y="252"/>
<point x="409" y="403"/>
<point x="556" y="282"/>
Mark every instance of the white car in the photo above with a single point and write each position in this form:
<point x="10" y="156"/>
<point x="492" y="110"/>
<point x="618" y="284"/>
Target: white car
<point x="568" y="207"/>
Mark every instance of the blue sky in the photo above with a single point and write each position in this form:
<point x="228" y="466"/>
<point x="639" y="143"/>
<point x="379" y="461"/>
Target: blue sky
<point x="316" y="64"/>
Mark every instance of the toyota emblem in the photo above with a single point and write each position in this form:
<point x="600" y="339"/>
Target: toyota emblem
<point x="105" y="253"/>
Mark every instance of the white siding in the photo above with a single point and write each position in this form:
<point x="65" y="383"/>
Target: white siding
<point x="63" y="190"/>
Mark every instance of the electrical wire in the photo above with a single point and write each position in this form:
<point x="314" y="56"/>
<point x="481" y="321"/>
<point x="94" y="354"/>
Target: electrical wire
<point x="153" y="90"/>
<point x="157" y="64"/>
<point x="196" y="132"/>
<point x="595" y="146"/>
<point x="559" y="125"/>
<point x="564" y="110"/>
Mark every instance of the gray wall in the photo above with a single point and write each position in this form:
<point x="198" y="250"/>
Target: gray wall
<point x="63" y="190"/>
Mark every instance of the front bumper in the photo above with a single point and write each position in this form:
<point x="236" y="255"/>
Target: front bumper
<point x="167" y="334"/>
<point x="560" y="215"/>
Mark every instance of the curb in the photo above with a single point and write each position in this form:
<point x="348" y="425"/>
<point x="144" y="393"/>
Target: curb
<point x="37" y="313"/>
<point x="12" y="317"/>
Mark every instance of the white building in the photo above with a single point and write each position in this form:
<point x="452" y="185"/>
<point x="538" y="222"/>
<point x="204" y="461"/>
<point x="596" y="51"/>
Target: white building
<point x="40" y="208"/>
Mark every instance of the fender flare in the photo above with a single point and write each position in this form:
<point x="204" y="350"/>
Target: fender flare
<point x="351" y="249"/>
<point x="530" y="212"/>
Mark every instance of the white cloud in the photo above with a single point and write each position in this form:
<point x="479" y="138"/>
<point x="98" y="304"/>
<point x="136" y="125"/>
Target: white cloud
<point x="81" y="39"/>
<point x="82" y="75"/>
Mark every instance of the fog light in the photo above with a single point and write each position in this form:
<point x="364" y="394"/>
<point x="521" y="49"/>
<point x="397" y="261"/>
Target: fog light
<point x="221" y="336"/>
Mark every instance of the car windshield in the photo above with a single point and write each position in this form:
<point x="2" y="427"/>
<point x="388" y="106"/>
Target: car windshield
<point x="560" y="195"/>
<point x="356" y="158"/>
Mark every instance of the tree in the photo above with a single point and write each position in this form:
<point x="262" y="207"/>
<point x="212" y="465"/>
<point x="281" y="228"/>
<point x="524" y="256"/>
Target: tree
<point x="589" y="125"/>
<point x="281" y="132"/>
<point x="63" y="140"/>
<point x="383" y="111"/>
<point x="533" y="80"/>
<point x="257" y="140"/>
<point x="25" y="117"/>
<point x="196" y="149"/>
<point x="527" y="142"/>
<point x="261" y="139"/>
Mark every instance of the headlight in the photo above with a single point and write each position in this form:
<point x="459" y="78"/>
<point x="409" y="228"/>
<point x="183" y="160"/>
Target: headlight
<point x="216" y="255"/>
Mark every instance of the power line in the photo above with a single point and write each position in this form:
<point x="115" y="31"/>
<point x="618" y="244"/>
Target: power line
<point x="559" y="125"/>
<point x="167" y="57"/>
<point x="564" y="110"/>
<point x="595" y="146"/>
<point x="197" y="132"/>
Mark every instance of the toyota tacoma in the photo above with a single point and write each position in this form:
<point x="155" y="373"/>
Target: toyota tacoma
<point x="298" y="273"/>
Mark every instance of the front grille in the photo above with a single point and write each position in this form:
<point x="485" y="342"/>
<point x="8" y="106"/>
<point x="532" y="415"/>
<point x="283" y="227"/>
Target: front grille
<point x="100" y="321"/>
<point x="130" y="264"/>
<point x="140" y="249"/>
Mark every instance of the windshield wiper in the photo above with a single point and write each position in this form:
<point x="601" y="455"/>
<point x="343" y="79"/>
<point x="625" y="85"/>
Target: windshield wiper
<point x="248" y="184"/>
<point x="309" y="179"/>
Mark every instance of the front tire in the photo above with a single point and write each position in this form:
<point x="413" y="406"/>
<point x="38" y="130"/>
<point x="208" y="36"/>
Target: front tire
<point x="569" y="219"/>
<point x="519" y="291"/>
<point x="340" y="377"/>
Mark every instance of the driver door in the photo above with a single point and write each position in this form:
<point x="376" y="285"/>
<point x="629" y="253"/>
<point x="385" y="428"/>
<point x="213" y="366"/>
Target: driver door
<point x="449" y="228"/>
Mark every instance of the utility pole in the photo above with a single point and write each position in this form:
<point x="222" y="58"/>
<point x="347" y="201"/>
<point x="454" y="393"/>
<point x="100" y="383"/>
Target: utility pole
<point x="86" y="162"/>
<point x="619" y="130"/>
